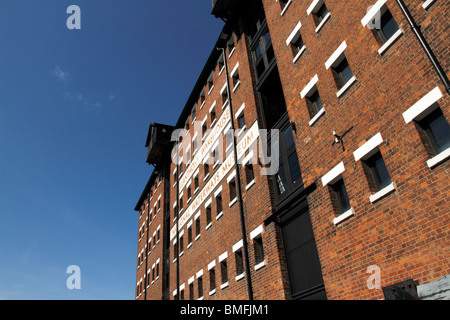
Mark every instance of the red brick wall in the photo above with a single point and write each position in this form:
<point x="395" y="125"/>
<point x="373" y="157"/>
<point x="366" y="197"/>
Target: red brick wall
<point x="406" y="233"/>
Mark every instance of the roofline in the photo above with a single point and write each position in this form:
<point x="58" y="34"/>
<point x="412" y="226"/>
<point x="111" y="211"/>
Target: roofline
<point x="147" y="188"/>
<point x="203" y="77"/>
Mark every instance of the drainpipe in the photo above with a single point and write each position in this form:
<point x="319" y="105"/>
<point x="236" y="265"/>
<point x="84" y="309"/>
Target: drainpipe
<point x="423" y="42"/>
<point x="238" y="185"/>
<point x="146" y="245"/>
<point x="178" y="229"/>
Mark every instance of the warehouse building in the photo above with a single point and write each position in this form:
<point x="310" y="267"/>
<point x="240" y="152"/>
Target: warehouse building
<point x="309" y="161"/>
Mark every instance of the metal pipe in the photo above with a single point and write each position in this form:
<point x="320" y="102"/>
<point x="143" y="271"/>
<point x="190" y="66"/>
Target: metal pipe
<point x="423" y="42"/>
<point x="146" y="245"/>
<point x="238" y="185"/>
<point x="178" y="229"/>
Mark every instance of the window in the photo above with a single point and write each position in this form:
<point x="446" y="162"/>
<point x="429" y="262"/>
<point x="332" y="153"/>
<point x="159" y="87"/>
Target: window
<point x="383" y="25"/>
<point x="259" y="250"/>
<point x="224" y="94"/>
<point x="202" y="97"/>
<point x="189" y="235"/>
<point x="205" y="170"/>
<point x="204" y="128"/>
<point x="200" y="286"/>
<point x="262" y="50"/>
<point x="249" y="174"/>
<point x="432" y="126"/>
<point x="341" y="70"/>
<point x="221" y="64"/>
<point x="181" y="245"/>
<point x="231" y="46"/>
<point x="374" y="168"/>
<point x="388" y="27"/>
<point x="284" y="4"/>
<point x="235" y="77"/>
<point x="208" y="216"/>
<point x="339" y="196"/>
<point x="196" y="185"/>
<point x="232" y="188"/>
<point x="212" y="112"/>
<point x="239" y="262"/>
<point x="288" y="176"/>
<point x="342" y="73"/>
<point x="435" y="132"/>
<point x="212" y="281"/>
<point x="320" y="13"/>
<point x="194" y="114"/>
<point x="219" y="204"/>
<point x="191" y="291"/>
<point x="314" y="104"/>
<point x="376" y="172"/>
<point x="197" y="226"/>
<point x="175" y="250"/>
<point x="189" y="192"/>
<point x="224" y="273"/>
<point x="210" y="83"/>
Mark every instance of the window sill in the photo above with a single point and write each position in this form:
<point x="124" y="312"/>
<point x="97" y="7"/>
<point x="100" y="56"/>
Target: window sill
<point x="208" y="226"/>
<point x="240" y="276"/>
<point x="346" y="86"/>
<point x="232" y="202"/>
<point x="347" y="214"/>
<point x="197" y="237"/>
<point x="231" y="53"/>
<point x="320" y="26"/>
<point x="189" y="245"/>
<point x="286" y="6"/>
<point x="213" y="123"/>
<point x="181" y="253"/>
<point x="441" y="157"/>
<point x="212" y="292"/>
<point x="383" y="192"/>
<point x="201" y="298"/>
<point x="390" y="42"/>
<point x="316" y="117"/>
<point x="250" y="184"/>
<point x="206" y="177"/>
<point x="210" y="90"/>
<point x="427" y="4"/>
<point x="225" y="104"/>
<point x="260" y="265"/>
<point x="219" y="215"/>
<point x="236" y="86"/>
<point x="224" y="285"/>
<point x="298" y="55"/>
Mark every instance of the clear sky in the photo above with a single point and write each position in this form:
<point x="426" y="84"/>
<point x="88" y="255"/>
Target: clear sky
<point x="75" y="106"/>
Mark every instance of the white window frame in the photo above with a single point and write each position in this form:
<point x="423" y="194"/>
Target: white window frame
<point x="295" y="34"/>
<point x="420" y="110"/>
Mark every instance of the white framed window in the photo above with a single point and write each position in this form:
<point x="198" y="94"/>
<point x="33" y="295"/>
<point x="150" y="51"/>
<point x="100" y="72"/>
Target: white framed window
<point x="235" y="77"/>
<point x="341" y="70"/>
<point x="375" y="168"/>
<point x="313" y="101"/>
<point x="320" y="13"/>
<point x="383" y="25"/>
<point x="296" y="43"/>
<point x="284" y="4"/>
<point x="432" y="126"/>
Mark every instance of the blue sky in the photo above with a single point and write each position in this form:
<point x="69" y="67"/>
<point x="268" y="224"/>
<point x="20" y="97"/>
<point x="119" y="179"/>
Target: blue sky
<point x="75" y="106"/>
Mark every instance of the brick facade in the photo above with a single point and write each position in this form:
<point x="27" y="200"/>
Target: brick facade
<point x="405" y="233"/>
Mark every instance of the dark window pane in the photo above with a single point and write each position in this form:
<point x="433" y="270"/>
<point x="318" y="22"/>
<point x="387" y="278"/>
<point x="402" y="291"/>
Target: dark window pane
<point x="294" y="167"/>
<point x="342" y="196"/>
<point x="379" y="171"/>
<point x="388" y="25"/>
<point x="439" y="130"/>
<point x="344" y="71"/>
<point x="289" y="138"/>
<point x="281" y="179"/>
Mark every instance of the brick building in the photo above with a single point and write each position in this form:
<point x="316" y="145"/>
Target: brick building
<point x="342" y="100"/>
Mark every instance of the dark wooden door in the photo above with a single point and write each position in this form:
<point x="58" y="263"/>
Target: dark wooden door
<point x="305" y="273"/>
